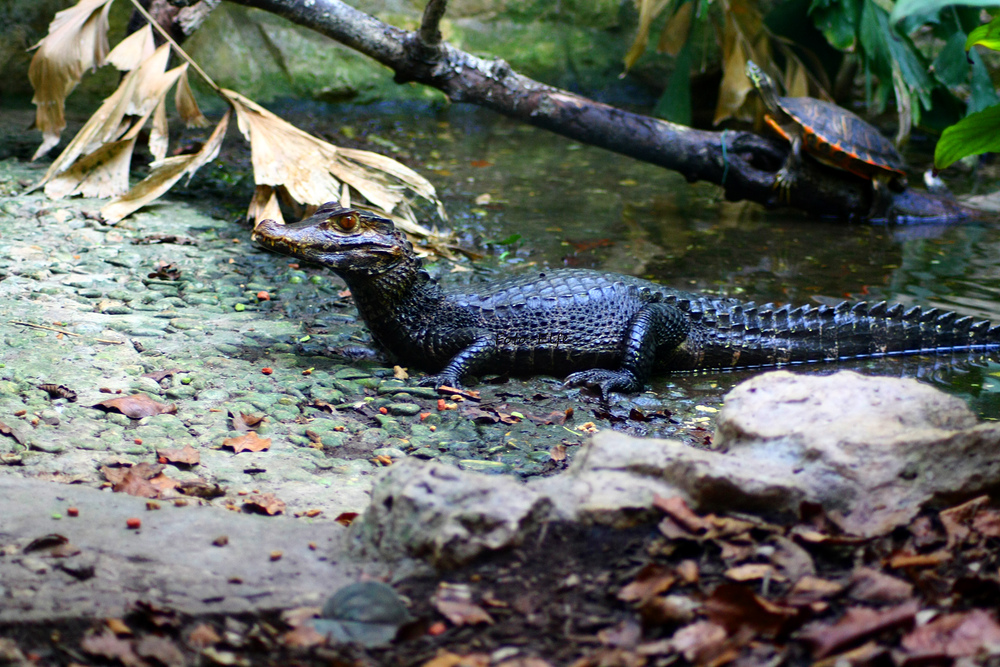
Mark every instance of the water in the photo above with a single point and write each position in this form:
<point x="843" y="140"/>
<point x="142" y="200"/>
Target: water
<point x="575" y="205"/>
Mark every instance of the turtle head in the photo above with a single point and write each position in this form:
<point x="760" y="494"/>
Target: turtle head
<point x="764" y="85"/>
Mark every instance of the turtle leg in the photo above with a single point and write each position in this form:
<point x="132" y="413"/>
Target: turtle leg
<point x="785" y="178"/>
<point x="880" y="198"/>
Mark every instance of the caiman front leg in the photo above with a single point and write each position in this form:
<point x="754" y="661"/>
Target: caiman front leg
<point x="479" y="349"/>
<point x="656" y="328"/>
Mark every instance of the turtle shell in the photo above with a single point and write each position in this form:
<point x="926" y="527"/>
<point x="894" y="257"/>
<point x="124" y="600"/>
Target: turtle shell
<point x="840" y="138"/>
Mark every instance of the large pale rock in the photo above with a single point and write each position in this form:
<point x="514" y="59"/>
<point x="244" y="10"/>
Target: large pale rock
<point x="445" y="515"/>
<point x="876" y="449"/>
<point x="872" y="451"/>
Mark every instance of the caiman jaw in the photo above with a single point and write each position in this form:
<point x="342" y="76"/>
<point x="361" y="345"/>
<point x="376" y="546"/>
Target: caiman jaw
<point x="340" y="238"/>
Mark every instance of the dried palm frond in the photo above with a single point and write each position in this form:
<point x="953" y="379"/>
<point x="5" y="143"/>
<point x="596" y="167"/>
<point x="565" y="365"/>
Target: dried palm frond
<point x="312" y="170"/>
<point x="291" y="167"/>
<point x="165" y="173"/>
<point x="133" y="50"/>
<point x="139" y="90"/>
<point x="77" y="41"/>
<point x="187" y="105"/>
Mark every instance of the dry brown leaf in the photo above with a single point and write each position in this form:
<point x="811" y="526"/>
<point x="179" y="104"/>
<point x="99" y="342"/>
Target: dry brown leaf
<point x="203" y="635"/>
<point x="250" y="442"/>
<point x="857" y="624"/>
<point x="303" y="636"/>
<point x="133" y="50"/>
<point x="245" y="422"/>
<point x="448" y="659"/>
<point x="139" y="91"/>
<point x="77" y="41"/>
<point x="164" y="484"/>
<point x="675" y="33"/>
<point x="651" y="580"/>
<point x="103" y="173"/>
<point x="164" y="174"/>
<point x="136" y="406"/>
<point x="265" y="205"/>
<point x="814" y="588"/>
<point x="699" y="642"/>
<point x="735" y="85"/>
<point x="986" y="522"/>
<point x="954" y="636"/>
<point x="187" y="105"/>
<point x="677" y="509"/>
<point x="735" y="605"/>
<point x="11" y="433"/>
<point x="648" y="10"/>
<point x="957" y="519"/>
<point x="145" y="480"/>
<point x="187" y="455"/>
<point x="159" y="131"/>
<point x="110" y="646"/>
<point x="454" y="602"/>
<point x="264" y="503"/>
<point x="796" y="79"/>
<point x="752" y="571"/>
<point x="162" y="650"/>
<point x="871" y="585"/>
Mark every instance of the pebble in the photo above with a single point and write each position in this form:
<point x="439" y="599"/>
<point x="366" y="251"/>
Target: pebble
<point x="484" y="466"/>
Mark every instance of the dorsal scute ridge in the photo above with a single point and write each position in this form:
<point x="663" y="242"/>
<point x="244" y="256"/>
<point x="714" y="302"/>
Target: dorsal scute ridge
<point x="929" y="314"/>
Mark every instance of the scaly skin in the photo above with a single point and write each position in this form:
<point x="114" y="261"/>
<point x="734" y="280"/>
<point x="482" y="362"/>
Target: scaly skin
<point x="607" y="330"/>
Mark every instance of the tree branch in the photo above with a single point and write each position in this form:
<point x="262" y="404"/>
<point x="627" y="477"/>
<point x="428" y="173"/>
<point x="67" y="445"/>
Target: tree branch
<point x="743" y="163"/>
<point x="430" y="33"/>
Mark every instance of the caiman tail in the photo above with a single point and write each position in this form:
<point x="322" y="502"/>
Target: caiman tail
<point x="725" y="334"/>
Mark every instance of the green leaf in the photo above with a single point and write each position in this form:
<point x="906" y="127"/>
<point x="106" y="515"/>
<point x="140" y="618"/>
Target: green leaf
<point x="906" y="8"/>
<point x="973" y="135"/>
<point x="510" y="240"/>
<point x="982" y="94"/>
<point x="675" y="102"/>
<point x="837" y="20"/>
<point x="951" y="66"/>
<point x="988" y="35"/>
<point x="885" y="48"/>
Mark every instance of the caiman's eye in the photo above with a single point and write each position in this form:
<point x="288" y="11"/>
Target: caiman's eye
<point x="348" y="222"/>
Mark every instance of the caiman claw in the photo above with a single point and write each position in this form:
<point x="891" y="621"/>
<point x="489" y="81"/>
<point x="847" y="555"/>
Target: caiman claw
<point x="605" y="380"/>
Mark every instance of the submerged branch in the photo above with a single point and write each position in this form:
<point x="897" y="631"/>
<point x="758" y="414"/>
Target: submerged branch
<point x="744" y="164"/>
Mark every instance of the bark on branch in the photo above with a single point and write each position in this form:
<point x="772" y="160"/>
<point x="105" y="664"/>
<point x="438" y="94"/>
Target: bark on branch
<point x="742" y="163"/>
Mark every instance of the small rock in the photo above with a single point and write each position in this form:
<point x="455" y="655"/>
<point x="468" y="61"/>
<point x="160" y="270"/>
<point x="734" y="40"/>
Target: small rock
<point x="404" y="409"/>
<point x="447" y="516"/>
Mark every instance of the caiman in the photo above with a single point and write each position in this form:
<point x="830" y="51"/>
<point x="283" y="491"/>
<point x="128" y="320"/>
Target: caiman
<point x="607" y="330"/>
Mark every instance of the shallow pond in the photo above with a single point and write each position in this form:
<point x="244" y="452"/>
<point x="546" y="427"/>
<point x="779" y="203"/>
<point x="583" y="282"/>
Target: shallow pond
<point x="575" y="205"/>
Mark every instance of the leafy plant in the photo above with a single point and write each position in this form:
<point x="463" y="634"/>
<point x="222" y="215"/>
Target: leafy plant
<point x="289" y="165"/>
<point x="926" y="82"/>
<point x="740" y="33"/>
<point x="979" y="132"/>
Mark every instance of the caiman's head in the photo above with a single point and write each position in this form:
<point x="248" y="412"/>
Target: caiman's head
<point x="347" y="240"/>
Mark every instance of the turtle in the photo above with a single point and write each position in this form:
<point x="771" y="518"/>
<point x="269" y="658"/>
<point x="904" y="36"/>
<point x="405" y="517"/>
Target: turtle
<point x="832" y="135"/>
